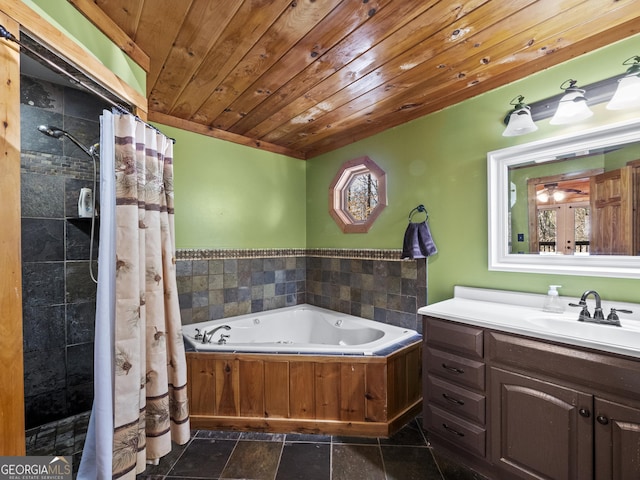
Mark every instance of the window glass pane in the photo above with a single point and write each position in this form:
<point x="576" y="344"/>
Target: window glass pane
<point x="547" y="230"/>
<point x="362" y="196"/>
<point x="582" y="224"/>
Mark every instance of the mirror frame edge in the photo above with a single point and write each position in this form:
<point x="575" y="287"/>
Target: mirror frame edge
<point x="498" y="162"/>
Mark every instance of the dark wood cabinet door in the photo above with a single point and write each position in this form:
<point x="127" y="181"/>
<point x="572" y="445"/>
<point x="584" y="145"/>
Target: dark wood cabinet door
<point x="617" y="441"/>
<point x="540" y="430"/>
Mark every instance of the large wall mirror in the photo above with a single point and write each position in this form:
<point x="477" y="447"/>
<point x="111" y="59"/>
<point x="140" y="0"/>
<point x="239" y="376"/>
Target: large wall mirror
<point x="568" y="204"/>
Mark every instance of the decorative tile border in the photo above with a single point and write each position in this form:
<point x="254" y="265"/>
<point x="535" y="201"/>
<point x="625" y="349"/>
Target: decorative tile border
<point x="215" y="254"/>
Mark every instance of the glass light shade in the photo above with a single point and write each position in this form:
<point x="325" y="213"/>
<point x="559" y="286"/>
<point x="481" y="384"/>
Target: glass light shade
<point x="571" y="108"/>
<point x="627" y="94"/>
<point x="520" y="123"/>
<point x="558" y="196"/>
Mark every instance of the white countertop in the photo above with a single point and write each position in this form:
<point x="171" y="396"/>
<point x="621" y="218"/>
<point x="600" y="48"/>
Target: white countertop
<point x="521" y="313"/>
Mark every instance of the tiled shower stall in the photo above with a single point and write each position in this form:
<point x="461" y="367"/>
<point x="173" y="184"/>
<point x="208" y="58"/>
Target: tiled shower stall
<point x="58" y="293"/>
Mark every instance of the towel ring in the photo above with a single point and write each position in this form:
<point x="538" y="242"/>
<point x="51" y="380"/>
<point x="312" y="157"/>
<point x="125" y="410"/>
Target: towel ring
<point x="419" y="208"/>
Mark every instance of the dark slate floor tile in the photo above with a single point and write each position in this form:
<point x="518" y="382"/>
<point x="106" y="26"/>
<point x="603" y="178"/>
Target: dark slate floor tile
<point x="253" y="461"/>
<point x="410" y="434"/>
<point x="308" y="461"/>
<point x="357" y="462"/>
<point x="166" y="463"/>
<point x="454" y="471"/>
<point x="409" y="463"/>
<point x="203" y="458"/>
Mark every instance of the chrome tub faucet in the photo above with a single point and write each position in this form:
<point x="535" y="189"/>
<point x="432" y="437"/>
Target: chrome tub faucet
<point x="207" y="336"/>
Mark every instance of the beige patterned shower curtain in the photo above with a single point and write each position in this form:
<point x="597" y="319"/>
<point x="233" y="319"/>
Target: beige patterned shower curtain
<point x="150" y="395"/>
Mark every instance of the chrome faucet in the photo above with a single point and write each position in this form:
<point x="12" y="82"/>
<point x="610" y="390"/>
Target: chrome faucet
<point x="598" y="316"/>
<point x="207" y="336"/>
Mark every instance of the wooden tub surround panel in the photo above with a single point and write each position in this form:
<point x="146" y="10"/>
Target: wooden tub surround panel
<point x="334" y="395"/>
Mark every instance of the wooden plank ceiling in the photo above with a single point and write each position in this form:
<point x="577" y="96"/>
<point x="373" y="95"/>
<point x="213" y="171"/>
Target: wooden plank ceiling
<point x="304" y="77"/>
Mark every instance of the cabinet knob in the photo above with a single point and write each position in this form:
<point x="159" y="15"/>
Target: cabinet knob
<point x="602" y="419"/>
<point x="584" y="412"/>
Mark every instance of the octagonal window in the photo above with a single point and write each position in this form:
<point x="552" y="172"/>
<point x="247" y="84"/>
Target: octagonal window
<point x="357" y="195"/>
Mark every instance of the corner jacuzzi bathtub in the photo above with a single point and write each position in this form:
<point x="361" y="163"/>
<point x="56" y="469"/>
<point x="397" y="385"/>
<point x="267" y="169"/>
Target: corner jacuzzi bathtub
<point x="297" y="329"/>
<point x="303" y="369"/>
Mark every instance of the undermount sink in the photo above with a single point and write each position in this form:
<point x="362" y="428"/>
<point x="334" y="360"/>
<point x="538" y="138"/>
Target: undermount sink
<point x="569" y="326"/>
<point x="521" y="313"/>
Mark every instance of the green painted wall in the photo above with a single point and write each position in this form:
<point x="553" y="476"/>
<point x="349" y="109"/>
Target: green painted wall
<point x="232" y="196"/>
<point x="66" y="18"/>
<point x="440" y="160"/>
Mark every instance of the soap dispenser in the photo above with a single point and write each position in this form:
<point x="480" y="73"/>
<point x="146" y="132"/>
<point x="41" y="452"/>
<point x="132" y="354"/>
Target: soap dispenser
<point x="552" y="301"/>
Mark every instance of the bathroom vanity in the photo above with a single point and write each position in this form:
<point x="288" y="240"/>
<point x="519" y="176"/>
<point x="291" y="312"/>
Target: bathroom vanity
<point x="514" y="392"/>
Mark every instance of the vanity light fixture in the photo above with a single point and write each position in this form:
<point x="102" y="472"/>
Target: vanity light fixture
<point x="572" y="107"/>
<point x="519" y="121"/>
<point x="622" y="91"/>
<point x="628" y="92"/>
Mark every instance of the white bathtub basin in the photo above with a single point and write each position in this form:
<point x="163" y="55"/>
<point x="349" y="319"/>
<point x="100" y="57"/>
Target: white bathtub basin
<point x="521" y="313"/>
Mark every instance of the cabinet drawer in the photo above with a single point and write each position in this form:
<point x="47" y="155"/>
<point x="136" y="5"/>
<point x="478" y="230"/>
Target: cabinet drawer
<point x="458" y="369"/>
<point x="454" y="336"/>
<point x="455" y="429"/>
<point x="460" y="401"/>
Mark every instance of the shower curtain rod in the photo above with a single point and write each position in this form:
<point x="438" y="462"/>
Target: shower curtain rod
<point x="6" y="34"/>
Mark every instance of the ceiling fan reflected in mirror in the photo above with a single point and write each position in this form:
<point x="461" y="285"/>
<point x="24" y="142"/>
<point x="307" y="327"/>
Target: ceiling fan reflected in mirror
<point x="557" y="193"/>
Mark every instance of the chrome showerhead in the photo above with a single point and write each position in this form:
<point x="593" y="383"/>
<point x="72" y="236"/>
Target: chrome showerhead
<point x="54" y="132"/>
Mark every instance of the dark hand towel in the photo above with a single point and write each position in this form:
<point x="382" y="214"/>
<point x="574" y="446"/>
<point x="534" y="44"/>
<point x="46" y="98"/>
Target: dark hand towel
<point x="418" y="242"/>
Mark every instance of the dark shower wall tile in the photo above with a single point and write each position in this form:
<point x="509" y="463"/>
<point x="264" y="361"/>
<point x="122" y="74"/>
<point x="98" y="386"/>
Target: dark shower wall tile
<point x="80" y="322"/>
<point x="41" y="94"/>
<point x="42" y="240"/>
<point x="43" y="284"/>
<point x="44" y="371"/>
<point x="45" y="407"/>
<point x="85" y="131"/>
<point x="42" y="196"/>
<point x="31" y="140"/>
<point x="79" y="364"/>
<point x="43" y="328"/>
<point x="79" y="286"/>
<point x="78" y="239"/>
<point x="83" y="105"/>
